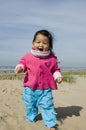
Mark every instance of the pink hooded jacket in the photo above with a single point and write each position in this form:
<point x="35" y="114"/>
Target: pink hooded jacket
<point x="40" y="72"/>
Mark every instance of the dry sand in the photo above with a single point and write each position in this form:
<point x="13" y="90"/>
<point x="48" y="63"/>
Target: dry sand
<point x="70" y="104"/>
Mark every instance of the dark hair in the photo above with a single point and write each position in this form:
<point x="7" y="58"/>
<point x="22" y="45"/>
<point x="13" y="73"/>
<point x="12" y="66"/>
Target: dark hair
<point x="47" y="34"/>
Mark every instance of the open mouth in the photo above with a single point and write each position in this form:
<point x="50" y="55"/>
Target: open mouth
<point x="40" y="49"/>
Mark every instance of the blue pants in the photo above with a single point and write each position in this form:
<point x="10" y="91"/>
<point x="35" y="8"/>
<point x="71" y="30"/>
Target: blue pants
<point x="43" y="98"/>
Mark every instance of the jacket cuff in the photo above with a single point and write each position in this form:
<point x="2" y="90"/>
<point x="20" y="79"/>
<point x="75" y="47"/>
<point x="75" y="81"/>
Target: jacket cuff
<point x="56" y="74"/>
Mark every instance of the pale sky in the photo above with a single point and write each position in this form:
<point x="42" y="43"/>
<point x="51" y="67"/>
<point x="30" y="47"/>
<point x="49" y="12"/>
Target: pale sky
<point x="65" y="19"/>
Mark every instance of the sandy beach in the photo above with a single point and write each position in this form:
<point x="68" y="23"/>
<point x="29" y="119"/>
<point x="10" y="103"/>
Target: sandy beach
<point x="69" y="101"/>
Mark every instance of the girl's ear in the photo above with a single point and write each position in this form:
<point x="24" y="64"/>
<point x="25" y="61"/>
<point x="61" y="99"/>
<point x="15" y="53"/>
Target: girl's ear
<point x="32" y="43"/>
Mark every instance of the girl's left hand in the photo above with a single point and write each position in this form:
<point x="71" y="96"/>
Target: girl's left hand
<point x="59" y="80"/>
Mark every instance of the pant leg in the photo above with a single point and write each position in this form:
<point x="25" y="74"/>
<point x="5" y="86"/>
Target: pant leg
<point x="30" y="103"/>
<point x="47" y="109"/>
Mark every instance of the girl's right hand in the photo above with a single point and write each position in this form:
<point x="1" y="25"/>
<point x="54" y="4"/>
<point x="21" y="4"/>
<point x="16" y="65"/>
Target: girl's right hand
<point x="19" y="69"/>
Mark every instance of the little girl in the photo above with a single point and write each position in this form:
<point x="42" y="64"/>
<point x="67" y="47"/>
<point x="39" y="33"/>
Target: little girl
<point x="42" y="76"/>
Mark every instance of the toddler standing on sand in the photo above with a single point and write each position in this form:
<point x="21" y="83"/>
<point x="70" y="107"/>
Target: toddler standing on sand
<point x="42" y="76"/>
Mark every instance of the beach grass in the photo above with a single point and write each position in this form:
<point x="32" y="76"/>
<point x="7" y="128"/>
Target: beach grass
<point x="67" y="76"/>
<point x="70" y="76"/>
<point x="11" y="76"/>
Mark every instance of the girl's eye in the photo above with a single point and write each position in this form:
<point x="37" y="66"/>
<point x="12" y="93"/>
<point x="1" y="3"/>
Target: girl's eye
<point x="37" y="42"/>
<point x="45" y="43"/>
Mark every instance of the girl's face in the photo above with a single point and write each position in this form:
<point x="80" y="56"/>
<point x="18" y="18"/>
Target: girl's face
<point x="41" y="43"/>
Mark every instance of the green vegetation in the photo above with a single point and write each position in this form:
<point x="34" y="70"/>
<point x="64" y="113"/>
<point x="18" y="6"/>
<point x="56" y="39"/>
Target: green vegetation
<point x="11" y="76"/>
<point x="75" y="72"/>
<point x="67" y="76"/>
<point x="70" y="76"/>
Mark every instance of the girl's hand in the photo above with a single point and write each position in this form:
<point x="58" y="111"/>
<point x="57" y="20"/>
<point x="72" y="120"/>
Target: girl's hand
<point x="59" y="80"/>
<point x="19" y="69"/>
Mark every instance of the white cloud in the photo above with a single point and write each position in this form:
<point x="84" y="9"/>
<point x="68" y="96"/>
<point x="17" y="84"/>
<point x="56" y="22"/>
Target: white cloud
<point x="20" y="19"/>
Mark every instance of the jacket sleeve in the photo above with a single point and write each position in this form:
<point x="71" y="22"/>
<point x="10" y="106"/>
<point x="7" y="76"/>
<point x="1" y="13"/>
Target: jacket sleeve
<point x="22" y="63"/>
<point x="56" y="70"/>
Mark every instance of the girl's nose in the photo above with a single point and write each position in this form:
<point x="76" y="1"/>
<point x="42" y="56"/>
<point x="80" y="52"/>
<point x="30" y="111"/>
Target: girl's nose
<point x="40" y="44"/>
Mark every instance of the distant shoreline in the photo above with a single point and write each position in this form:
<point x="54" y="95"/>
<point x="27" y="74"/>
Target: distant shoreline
<point x="12" y="68"/>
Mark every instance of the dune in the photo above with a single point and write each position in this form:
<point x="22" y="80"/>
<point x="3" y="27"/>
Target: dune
<point x="69" y="100"/>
